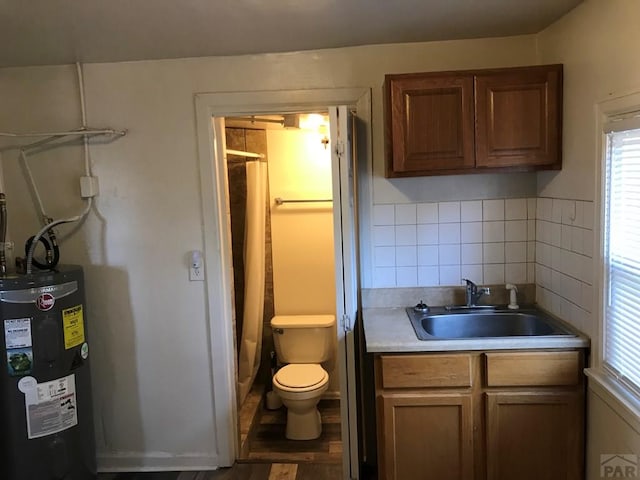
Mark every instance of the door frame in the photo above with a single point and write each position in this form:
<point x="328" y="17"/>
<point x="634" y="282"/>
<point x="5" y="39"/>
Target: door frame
<point x="216" y="236"/>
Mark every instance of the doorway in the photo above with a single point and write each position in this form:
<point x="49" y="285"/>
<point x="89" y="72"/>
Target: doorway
<point x="282" y="242"/>
<point x="217" y="248"/>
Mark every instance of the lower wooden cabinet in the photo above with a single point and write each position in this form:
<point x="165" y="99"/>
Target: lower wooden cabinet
<point x="427" y="436"/>
<point x="534" y="435"/>
<point x="486" y="415"/>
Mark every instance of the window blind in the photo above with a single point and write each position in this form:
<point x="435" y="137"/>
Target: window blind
<point x="622" y="252"/>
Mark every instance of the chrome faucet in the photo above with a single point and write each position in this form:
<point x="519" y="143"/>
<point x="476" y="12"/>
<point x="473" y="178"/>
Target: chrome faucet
<point x="473" y="292"/>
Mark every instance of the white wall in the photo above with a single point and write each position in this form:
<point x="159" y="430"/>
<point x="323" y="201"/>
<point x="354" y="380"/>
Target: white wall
<point x="597" y="43"/>
<point x="148" y="326"/>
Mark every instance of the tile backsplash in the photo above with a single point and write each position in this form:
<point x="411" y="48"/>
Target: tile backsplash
<point x="437" y="244"/>
<point x="564" y="260"/>
<point x="546" y="241"/>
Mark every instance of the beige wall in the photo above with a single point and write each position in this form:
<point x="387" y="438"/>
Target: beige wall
<point x="597" y="43"/>
<point x="150" y="353"/>
<point x="302" y="234"/>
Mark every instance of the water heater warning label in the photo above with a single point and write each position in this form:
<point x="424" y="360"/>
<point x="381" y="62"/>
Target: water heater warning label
<point x="17" y="333"/>
<point x="51" y="407"/>
<point x="17" y="339"/>
<point x="73" y="327"/>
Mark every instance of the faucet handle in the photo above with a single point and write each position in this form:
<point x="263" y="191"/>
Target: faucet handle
<point x="470" y="284"/>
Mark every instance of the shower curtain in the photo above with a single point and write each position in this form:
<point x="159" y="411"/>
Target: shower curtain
<point x="254" y="275"/>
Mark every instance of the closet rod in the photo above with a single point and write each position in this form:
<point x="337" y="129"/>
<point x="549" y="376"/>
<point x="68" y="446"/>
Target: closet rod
<point x="240" y="153"/>
<point x="280" y="201"/>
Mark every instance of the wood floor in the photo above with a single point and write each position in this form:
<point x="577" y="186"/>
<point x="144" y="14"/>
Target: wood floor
<point x="244" y="471"/>
<point x="263" y="438"/>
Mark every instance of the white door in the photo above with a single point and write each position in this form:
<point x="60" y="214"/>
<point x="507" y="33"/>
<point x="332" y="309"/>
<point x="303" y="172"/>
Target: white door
<point x="345" y="231"/>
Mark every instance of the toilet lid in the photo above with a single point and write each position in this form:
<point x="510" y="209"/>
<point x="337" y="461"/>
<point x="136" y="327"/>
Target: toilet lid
<point x="301" y="375"/>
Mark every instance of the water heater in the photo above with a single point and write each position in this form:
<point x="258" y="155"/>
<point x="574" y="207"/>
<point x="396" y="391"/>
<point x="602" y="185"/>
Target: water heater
<point x="45" y="387"/>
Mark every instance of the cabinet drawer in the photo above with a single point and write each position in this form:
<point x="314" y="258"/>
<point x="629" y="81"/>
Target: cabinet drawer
<point x="533" y="368"/>
<point x="423" y="371"/>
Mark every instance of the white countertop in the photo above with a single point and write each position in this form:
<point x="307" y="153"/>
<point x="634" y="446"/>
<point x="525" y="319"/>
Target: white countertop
<point x="389" y="330"/>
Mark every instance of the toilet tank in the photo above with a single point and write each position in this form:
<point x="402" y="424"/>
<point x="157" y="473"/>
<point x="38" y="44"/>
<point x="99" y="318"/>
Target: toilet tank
<point x="304" y="338"/>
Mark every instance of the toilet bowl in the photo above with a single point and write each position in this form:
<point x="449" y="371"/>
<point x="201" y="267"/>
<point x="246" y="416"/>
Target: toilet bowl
<point x="300" y="387"/>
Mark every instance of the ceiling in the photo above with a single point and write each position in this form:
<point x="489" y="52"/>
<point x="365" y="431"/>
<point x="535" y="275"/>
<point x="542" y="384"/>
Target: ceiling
<point x="45" y="32"/>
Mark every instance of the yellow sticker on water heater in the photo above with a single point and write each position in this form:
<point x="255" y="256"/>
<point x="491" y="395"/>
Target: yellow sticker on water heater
<point x="73" y="325"/>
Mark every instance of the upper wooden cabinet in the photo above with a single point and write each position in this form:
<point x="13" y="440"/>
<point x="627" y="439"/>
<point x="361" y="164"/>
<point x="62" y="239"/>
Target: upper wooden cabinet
<point x="474" y="121"/>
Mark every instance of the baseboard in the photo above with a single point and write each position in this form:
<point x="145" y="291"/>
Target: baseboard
<point x="331" y="395"/>
<point x="150" y="462"/>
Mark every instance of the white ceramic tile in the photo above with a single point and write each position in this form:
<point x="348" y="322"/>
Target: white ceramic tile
<point x="493" y="252"/>
<point x="427" y="213"/>
<point x="586" y="269"/>
<point x="531" y="208"/>
<point x="589" y="216"/>
<point x="577" y="239"/>
<point x="579" y="221"/>
<point x="385" y="256"/>
<point x="428" y="276"/>
<point x="407" y="276"/>
<point x="384" y="235"/>
<point x="588" y="243"/>
<point x="471" y="232"/>
<point x="556" y="234"/>
<point x="566" y="233"/>
<point x="543" y="209"/>
<point x="588" y="299"/>
<point x="471" y="211"/>
<point x="406" y="235"/>
<point x="427" y="234"/>
<point x="493" y="231"/>
<point x="543" y="254"/>
<point x="574" y="291"/>
<point x="448" y="212"/>
<point x="449" y="233"/>
<point x="556" y="258"/>
<point x="568" y="212"/>
<point x="557" y="283"/>
<point x="450" y="275"/>
<point x="493" y="274"/>
<point x="471" y="253"/>
<point x="515" y="273"/>
<point x="515" y="230"/>
<point x="531" y="251"/>
<point x="515" y="252"/>
<point x="531" y="229"/>
<point x="427" y="255"/>
<point x="384" y="277"/>
<point x="543" y="231"/>
<point x="492" y="210"/>
<point x="572" y="264"/>
<point x="405" y="214"/>
<point x="556" y="210"/>
<point x="383" y="214"/>
<point x="449" y="254"/>
<point x="515" y="209"/>
<point x="406" y="256"/>
<point x="543" y="276"/>
<point x="531" y="273"/>
<point x="474" y="273"/>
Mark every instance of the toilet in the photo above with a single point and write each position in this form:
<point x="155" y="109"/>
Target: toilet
<point x="303" y="342"/>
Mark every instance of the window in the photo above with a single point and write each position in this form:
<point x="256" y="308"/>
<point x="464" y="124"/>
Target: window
<point x="621" y="250"/>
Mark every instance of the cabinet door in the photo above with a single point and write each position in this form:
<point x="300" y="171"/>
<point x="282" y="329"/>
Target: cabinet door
<point x="429" y="123"/>
<point x="519" y="118"/>
<point x="534" y="436"/>
<point x="426" y="436"/>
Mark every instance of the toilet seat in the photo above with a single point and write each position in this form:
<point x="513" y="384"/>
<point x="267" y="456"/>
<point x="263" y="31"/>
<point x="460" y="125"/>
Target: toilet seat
<point x="301" y="377"/>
